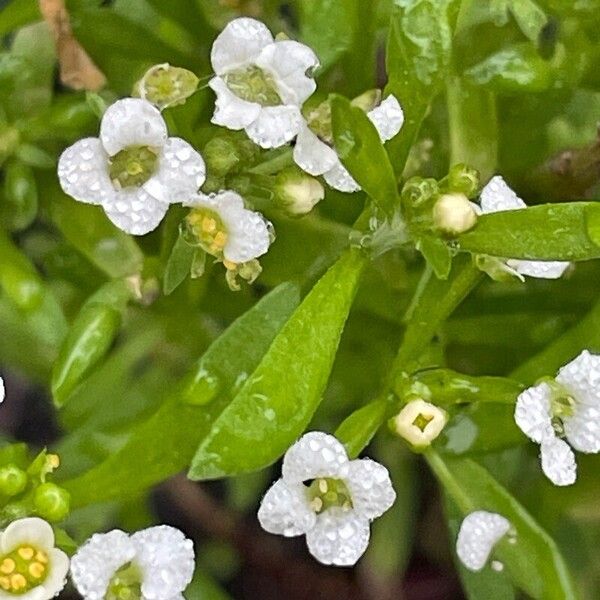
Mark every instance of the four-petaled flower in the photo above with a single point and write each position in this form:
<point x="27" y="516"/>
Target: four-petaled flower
<point x="327" y="497"/>
<point x="314" y="152"/>
<point x="133" y="170"/>
<point x="153" y="564"/>
<point x="479" y="532"/>
<point x="497" y="196"/>
<point x="566" y="408"/>
<point x="31" y="568"/>
<point x="260" y="83"/>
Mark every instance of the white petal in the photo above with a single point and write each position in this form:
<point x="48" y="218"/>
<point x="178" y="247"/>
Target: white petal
<point x="95" y="563"/>
<point x="496" y="196"/>
<point x="2" y="390"/>
<point x="582" y="429"/>
<point x="285" y="510"/>
<point x="181" y="172"/>
<point x="239" y="44"/>
<point x="83" y="171"/>
<point x="315" y="454"/>
<point x="132" y="122"/>
<point x="275" y="126"/>
<point x="479" y="532"/>
<point x="248" y="232"/>
<point x="539" y="268"/>
<point x="230" y="111"/>
<point x="312" y="155"/>
<point x="32" y="530"/>
<point x="581" y="378"/>
<point x="370" y="488"/>
<point x="533" y="412"/>
<point x="340" y="537"/>
<point x="135" y="211"/>
<point x="558" y="461"/>
<point x="288" y="62"/>
<point x="340" y="179"/>
<point x="57" y="573"/>
<point x="388" y="118"/>
<point x="166" y="558"/>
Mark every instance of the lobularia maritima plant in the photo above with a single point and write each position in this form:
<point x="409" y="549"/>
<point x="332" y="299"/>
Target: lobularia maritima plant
<point x="357" y="169"/>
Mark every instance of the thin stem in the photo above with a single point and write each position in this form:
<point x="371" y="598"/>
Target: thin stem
<point x="274" y="164"/>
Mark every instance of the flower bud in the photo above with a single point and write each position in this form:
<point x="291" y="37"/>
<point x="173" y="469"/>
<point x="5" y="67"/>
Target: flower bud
<point x="12" y="480"/>
<point x="417" y="191"/>
<point x="419" y="423"/>
<point x="453" y="214"/>
<point x="164" y="85"/>
<point x="463" y="179"/>
<point x="296" y="192"/>
<point x="221" y="156"/>
<point x="51" y="502"/>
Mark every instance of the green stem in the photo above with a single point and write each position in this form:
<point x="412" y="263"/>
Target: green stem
<point x="275" y="164"/>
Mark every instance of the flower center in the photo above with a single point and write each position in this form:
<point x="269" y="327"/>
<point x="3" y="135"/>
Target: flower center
<point x="253" y="85"/>
<point x="421" y="421"/>
<point x="209" y="230"/>
<point x="125" y="584"/>
<point x="132" y="166"/>
<point x="326" y="492"/>
<point x="562" y="404"/>
<point x="23" y="569"/>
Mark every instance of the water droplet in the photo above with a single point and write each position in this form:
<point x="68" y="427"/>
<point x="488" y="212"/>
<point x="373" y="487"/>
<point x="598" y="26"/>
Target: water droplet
<point x="497" y="566"/>
<point x="203" y="388"/>
<point x="269" y="414"/>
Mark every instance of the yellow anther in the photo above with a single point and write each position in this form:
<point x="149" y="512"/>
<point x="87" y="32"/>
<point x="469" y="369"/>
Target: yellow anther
<point x="323" y="486"/>
<point x="229" y="265"/>
<point x="36" y="569"/>
<point x="26" y="552"/>
<point x="53" y="460"/>
<point x="209" y="225"/>
<point x="316" y="504"/>
<point x="17" y="582"/>
<point x="5" y="583"/>
<point x="7" y="566"/>
<point x="42" y="557"/>
<point x="220" y="239"/>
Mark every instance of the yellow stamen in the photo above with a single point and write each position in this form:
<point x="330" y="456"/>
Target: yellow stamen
<point x="36" y="569"/>
<point x="42" y="557"/>
<point x="209" y="225"/>
<point x="229" y="265"/>
<point x="7" y="566"/>
<point x="323" y="486"/>
<point x="26" y="552"/>
<point x="5" y="583"/>
<point x="18" y="582"/>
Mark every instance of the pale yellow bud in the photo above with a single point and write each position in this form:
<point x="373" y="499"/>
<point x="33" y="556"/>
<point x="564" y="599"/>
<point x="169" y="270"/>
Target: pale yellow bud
<point x="420" y="422"/>
<point x="454" y="214"/>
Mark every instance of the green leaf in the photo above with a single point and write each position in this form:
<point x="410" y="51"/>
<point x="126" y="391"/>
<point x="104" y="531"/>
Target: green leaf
<point x="18" y="13"/>
<point x="534" y="562"/>
<point x="20" y="204"/>
<point x="358" y="429"/>
<point x="165" y="443"/>
<point x="87" y="228"/>
<point x="184" y="13"/>
<point x="280" y="397"/>
<point x="361" y="150"/>
<point x="90" y="337"/>
<point x="418" y="52"/>
<point x="566" y="231"/>
<point x="179" y="263"/>
<point x="437" y="254"/>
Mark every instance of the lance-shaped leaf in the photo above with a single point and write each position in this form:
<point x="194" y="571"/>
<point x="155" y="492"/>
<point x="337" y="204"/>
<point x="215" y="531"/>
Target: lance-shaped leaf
<point x="165" y="443"/>
<point x="358" y="428"/>
<point x="361" y="150"/>
<point x="566" y="231"/>
<point x="534" y="563"/>
<point x="280" y="397"/>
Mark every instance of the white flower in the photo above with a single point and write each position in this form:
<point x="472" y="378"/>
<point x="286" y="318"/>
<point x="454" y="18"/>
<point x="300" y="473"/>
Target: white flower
<point x="316" y="156"/>
<point x="479" y="532"/>
<point x="420" y="422"/>
<point x="496" y="196"/>
<point x="567" y="407"/>
<point x="260" y="83"/>
<point x="133" y="170"/>
<point x="156" y="564"/>
<point x="228" y="230"/>
<point x="31" y="568"/>
<point x="328" y="498"/>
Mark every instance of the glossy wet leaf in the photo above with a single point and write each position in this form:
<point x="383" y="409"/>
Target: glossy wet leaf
<point x="437" y="254"/>
<point x="20" y="202"/>
<point x="179" y="264"/>
<point x="566" y="231"/>
<point x="534" y="562"/>
<point x="165" y="443"/>
<point x="276" y="403"/>
<point x="358" y="428"/>
<point x="361" y="151"/>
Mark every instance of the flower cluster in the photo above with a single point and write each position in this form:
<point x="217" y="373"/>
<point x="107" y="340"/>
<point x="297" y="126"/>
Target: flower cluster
<point x="561" y="414"/>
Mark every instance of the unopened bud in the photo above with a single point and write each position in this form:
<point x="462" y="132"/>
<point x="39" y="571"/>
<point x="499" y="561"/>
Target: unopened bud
<point x="12" y="480"/>
<point x="296" y="192"/>
<point x="221" y="156"/>
<point x="164" y="85"/>
<point x="417" y="191"/>
<point x="453" y="214"/>
<point x="419" y="423"/>
<point x="463" y="179"/>
<point x="51" y="502"/>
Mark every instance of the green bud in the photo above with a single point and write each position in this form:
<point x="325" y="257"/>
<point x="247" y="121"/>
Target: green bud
<point x="368" y="100"/>
<point x="51" y="502"/>
<point x="20" y="196"/>
<point x="463" y="179"/>
<point x="164" y="85"/>
<point x="296" y="192"/>
<point x="12" y="480"/>
<point x="454" y="214"/>
<point x="221" y="155"/>
<point x="417" y="191"/>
